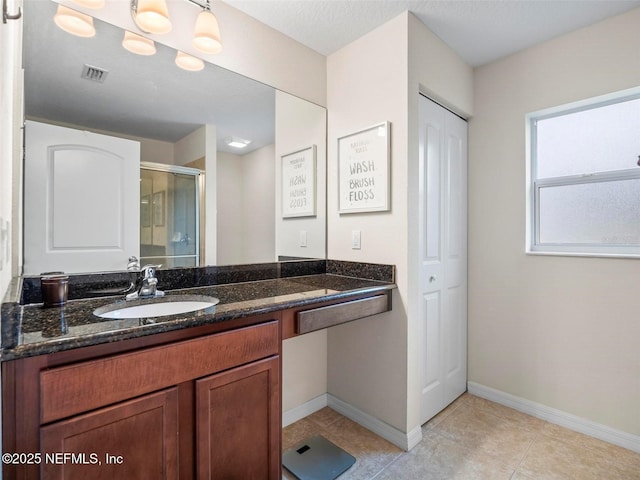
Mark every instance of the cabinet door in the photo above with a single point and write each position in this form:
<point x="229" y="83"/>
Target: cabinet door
<point x="238" y="423"/>
<point x="137" y="439"/>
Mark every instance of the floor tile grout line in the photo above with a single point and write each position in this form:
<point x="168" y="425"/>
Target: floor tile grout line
<point x="402" y="454"/>
<point x="526" y="453"/>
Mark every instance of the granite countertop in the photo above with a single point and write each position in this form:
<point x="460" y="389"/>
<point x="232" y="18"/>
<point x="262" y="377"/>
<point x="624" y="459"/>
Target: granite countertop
<point x="34" y="330"/>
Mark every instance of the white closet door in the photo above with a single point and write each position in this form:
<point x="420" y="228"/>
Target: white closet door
<point x="82" y="200"/>
<point x="443" y="257"/>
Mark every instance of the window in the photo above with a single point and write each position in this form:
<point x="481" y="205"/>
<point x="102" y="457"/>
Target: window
<point x="584" y="177"/>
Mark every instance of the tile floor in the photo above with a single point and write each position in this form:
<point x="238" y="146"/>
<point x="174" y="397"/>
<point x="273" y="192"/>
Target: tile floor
<point x="472" y="439"/>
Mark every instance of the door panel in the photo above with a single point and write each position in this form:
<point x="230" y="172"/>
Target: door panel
<point x="103" y="222"/>
<point x="443" y="266"/>
<point x="432" y="385"/>
<point x="431" y="199"/>
<point x="81" y="200"/>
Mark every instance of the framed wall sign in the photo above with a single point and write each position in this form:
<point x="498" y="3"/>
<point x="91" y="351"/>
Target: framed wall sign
<point x="299" y="183"/>
<point x="363" y="170"/>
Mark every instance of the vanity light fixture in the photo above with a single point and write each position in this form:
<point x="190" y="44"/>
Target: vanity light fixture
<point x="74" y="22"/>
<point x="151" y="16"/>
<point x="236" y="142"/>
<point x="206" y="37"/>
<point x="138" y="44"/>
<point x="187" y="62"/>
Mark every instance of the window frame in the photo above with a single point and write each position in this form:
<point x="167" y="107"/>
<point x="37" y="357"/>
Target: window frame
<point x="534" y="185"/>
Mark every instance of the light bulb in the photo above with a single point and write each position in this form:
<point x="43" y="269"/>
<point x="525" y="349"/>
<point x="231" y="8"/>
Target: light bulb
<point x="90" y="3"/>
<point x="206" y="37"/>
<point x="152" y="16"/>
<point x="138" y="44"/>
<point x="188" y="62"/>
<point x="74" y="22"/>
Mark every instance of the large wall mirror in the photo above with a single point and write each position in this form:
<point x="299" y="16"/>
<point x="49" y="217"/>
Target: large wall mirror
<point x="184" y="124"/>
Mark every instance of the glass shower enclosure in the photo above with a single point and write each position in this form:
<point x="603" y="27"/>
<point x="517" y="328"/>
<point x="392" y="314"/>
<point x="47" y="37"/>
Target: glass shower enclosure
<point x="169" y="215"/>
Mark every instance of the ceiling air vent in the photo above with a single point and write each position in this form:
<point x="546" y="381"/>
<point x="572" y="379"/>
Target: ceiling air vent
<point x="94" y="74"/>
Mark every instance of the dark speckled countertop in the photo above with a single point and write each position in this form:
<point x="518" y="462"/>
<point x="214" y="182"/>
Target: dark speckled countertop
<point x="29" y="330"/>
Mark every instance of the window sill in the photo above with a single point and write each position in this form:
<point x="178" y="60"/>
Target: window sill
<point x="629" y="256"/>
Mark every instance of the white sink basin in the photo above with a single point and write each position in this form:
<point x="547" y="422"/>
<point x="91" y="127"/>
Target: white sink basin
<point x="160" y="307"/>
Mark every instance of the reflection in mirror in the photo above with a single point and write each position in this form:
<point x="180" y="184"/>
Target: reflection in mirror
<point x="169" y="215"/>
<point x="177" y="118"/>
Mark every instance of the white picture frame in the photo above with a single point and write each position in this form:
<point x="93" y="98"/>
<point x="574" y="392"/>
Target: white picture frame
<point x="299" y="183"/>
<point x="363" y="170"/>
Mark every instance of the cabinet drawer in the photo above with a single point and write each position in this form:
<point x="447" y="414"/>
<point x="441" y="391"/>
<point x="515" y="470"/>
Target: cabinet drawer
<point x="324" y="317"/>
<point x="84" y="386"/>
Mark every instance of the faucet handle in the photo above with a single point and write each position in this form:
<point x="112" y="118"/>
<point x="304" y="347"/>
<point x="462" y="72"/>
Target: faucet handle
<point x="149" y="271"/>
<point x="134" y="264"/>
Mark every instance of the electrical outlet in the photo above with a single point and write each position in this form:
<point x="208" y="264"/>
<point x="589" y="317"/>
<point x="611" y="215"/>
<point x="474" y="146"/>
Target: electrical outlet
<point x="356" y="240"/>
<point x="303" y="238"/>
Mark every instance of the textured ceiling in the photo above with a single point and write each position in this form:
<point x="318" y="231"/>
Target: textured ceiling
<point x="479" y="30"/>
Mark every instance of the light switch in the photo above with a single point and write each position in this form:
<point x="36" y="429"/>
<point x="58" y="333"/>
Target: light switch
<point x="355" y="240"/>
<point x="303" y="238"/>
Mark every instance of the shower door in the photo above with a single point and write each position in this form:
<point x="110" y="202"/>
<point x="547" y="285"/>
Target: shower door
<point x="169" y="215"/>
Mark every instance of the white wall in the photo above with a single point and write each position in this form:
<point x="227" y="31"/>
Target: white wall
<point x="299" y="125"/>
<point x="210" y="196"/>
<point x="366" y="85"/>
<point x="258" y="194"/>
<point x="191" y="147"/>
<point x="559" y="331"/>
<point x="246" y="220"/>
<point x="230" y="209"/>
<point x="155" y="151"/>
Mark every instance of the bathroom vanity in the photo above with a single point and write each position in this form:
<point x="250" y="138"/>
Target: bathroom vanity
<point x="194" y="395"/>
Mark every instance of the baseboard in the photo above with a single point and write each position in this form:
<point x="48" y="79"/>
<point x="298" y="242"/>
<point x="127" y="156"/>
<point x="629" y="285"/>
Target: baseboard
<point x="301" y="411"/>
<point x="405" y="441"/>
<point x="564" y="419"/>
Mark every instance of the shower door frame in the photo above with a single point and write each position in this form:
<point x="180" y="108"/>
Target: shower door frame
<point x="195" y="172"/>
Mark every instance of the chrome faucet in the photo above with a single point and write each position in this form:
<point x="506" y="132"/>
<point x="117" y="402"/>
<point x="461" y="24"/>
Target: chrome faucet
<point x="148" y="284"/>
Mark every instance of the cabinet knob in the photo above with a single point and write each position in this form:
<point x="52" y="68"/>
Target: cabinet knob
<point x="432" y="278"/>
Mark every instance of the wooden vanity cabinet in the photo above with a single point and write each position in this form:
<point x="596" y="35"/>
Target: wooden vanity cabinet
<point x="198" y="403"/>
<point x="204" y="407"/>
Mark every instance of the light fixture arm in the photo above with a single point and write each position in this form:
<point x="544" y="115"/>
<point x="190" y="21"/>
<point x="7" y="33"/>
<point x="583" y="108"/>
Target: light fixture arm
<point x="206" y="5"/>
